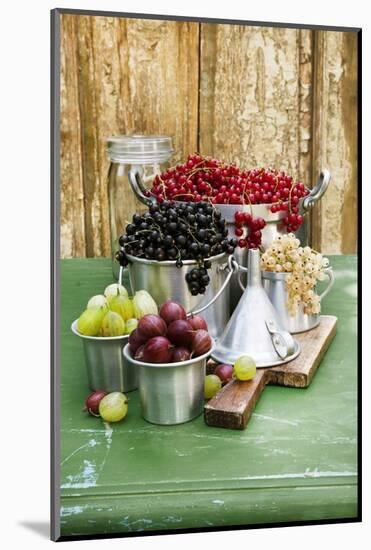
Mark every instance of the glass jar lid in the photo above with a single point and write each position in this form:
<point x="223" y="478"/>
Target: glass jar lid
<point x="139" y="149"/>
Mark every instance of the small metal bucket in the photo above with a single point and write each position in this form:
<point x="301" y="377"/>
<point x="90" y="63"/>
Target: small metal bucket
<point x="164" y="281"/>
<point x="106" y="365"/>
<point x="275" y="286"/>
<point x="171" y="393"/>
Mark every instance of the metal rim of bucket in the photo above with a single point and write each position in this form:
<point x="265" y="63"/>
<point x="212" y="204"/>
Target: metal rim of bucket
<point x="275" y="276"/>
<point x="173" y="262"/>
<point x="256" y="210"/>
<point x="128" y="356"/>
<point x="315" y="193"/>
<point x="103" y="338"/>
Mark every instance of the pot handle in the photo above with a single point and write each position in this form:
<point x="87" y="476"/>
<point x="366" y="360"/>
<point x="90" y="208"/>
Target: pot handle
<point x="318" y="190"/>
<point x="330" y="274"/>
<point x="232" y="267"/>
<point x="138" y="187"/>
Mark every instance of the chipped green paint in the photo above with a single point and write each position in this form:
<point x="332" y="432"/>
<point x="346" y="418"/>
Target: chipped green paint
<point x="295" y="461"/>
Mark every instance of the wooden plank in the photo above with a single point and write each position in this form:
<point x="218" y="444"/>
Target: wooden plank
<point x="72" y="192"/>
<point x="234" y="404"/>
<point x="314" y="344"/>
<point x="136" y="76"/>
<point x="255" y="96"/>
<point x="335" y="140"/>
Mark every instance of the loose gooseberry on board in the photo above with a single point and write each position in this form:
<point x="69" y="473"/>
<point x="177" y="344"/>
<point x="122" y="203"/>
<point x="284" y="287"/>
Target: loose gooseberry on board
<point x="225" y="373"/>
<point x="212" y="385"/>
<point x="244" y="368"/>
<point x="113" y="407"/>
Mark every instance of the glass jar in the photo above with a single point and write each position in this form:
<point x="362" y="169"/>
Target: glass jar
<point x="143" y="155"/>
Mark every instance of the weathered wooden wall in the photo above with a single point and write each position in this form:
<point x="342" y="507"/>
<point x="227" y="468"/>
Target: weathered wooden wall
<point x="259" y="96"/>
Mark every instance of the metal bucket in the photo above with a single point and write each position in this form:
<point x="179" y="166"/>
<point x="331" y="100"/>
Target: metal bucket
<point x="275" y="286"/>
<point x="164" y="281"/>
<point x="271" y="231"/>
<point x="106" y="365"/>
<point x="171" y="393"/>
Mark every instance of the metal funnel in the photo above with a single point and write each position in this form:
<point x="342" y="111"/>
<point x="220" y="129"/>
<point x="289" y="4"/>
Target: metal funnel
<point x="254" y="328"/>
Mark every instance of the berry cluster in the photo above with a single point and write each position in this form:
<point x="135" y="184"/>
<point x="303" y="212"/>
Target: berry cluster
<point x="198" y="279"/>
<point x="206" y="179"/>
<point x="304" y="265"/>
<point x="178" y="232"/>
<point x="280" y="191"/>
<point x="251" y="238"/>
<point x="202" y="178"/>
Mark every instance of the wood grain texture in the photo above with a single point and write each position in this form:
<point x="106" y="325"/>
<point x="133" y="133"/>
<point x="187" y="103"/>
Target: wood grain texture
<point x="314" y="344"/>
<point x="335" y="140"/>
<point x="234" y="404"/>
<point x="134" y="76"/>
<point x="72" y="189"/>
<point x="254" y="95"/>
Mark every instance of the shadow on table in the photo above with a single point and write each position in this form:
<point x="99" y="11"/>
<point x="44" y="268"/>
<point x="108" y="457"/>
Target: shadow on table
<point x="40" y="527"/>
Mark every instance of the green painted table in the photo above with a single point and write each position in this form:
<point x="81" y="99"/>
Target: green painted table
<point x="297" y="459"/>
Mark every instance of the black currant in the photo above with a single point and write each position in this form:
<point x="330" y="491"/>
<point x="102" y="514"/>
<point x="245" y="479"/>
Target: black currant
<point x="181" y="240"/>
<point x="205" y="279"/>
<point x="130" y="229"/>
<point x="205" y="249"/>
<point x="160" y="254"/>
<point x="123" y="240"/>
<point x="168" y="240"/>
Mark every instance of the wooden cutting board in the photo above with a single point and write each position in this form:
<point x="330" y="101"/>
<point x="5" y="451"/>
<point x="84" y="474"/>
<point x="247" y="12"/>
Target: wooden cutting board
<point x="234" y="404"/>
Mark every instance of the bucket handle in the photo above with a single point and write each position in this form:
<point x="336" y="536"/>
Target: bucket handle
<point x="138" y="187"/>
<point x="330" y="274"/>
<point x="232" y="267"/>
<point x="121" y="274"/>
<point x="318" y="190"/>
